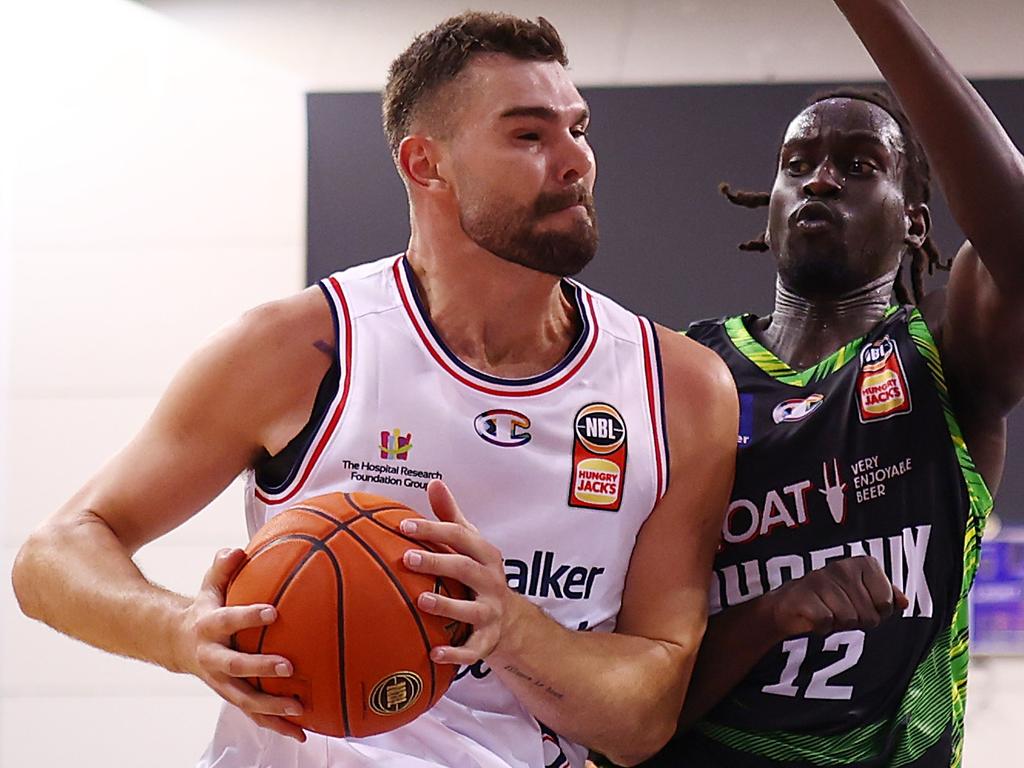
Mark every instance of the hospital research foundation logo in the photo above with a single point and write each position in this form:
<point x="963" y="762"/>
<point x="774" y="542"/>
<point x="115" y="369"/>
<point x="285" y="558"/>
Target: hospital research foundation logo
<point x="395" y="445"/>
<point x="598" y="458"/>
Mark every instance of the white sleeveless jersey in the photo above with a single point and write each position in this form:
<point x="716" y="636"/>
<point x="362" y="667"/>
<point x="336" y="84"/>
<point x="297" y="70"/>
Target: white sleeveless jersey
<point x="559" y="471"/>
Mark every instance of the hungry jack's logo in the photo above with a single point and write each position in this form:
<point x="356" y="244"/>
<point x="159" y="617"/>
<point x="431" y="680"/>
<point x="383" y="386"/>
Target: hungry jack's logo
<point x="882" y="390"/>
<point x="395" y="445"/>
<point x="598" y="458"/>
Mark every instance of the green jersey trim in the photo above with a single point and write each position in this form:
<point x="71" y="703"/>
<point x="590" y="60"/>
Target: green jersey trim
<point x="766" y="360"/>
<point x="923" y="716"/>
<point x="980" y="505"/>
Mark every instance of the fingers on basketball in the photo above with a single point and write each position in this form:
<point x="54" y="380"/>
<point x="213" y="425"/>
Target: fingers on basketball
<point x="348" y="618"/>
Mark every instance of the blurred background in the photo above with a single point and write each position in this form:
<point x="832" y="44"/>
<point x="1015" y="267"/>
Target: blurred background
<point x="165" y="165"/>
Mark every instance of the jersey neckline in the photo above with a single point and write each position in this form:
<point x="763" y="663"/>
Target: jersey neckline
<point x="579" y="351"/>
<point x="741" y="337"/>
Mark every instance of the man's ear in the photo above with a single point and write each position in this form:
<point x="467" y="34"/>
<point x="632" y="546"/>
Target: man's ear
<point x="919" y="224"/>
<point x="418" y="159"/>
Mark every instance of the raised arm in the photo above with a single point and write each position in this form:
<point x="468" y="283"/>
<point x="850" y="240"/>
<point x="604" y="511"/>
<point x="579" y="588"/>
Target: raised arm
<point x="982" y="176"/>
<point x="618" y="693"/>
<point x="228" y="403"/>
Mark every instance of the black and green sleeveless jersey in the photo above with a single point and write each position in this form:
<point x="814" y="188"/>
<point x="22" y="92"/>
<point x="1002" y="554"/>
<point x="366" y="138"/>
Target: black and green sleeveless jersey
<point x="860" y="454"/>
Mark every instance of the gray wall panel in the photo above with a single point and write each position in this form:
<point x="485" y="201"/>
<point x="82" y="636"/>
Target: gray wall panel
<point x="668" y="238"/>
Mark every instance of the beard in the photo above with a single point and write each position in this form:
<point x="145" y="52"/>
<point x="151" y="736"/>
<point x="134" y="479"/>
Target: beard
<point x="512" y="234"/>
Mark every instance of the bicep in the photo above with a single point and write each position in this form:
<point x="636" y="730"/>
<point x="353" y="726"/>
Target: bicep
<point x="982" y="337"/>
<point x="666" y="590"/>
<point x="223" y="407"/>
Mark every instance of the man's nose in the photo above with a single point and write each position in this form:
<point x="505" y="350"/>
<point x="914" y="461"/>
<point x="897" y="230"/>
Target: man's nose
<point x="824" y="182"/>
<point x="576" y="159"/>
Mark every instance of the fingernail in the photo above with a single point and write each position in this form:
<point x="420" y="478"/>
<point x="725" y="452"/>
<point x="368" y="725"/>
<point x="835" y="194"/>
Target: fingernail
<point x="427" y="600"/>
<point x="409" y="526"/>
<point x="268" y="614"/>
<point x="413" y="558"/>
<point x="437" y="654"/>
<point x="293" y="710"/>
<point x="283" y="669"/>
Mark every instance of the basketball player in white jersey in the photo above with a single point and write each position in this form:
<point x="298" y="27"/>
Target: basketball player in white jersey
<point x="590" y="497"/>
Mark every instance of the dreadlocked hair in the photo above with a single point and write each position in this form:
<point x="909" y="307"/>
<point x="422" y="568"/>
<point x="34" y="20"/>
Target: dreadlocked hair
<point x="916" y="187"/>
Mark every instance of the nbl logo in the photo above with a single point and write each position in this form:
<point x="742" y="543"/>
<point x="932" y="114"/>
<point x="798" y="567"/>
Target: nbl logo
<point x="600" y="428"/>
<point x="598" y="458"/>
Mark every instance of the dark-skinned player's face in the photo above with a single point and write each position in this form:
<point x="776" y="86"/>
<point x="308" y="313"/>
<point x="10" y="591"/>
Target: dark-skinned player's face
<point x="838" y="217"/>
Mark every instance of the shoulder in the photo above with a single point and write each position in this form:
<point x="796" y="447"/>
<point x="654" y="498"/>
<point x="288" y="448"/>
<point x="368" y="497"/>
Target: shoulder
<point x="283" y="348"/>
<point x="257" y="377"/>
<point x="701" y="403"/>
<point x="689" y="365"/>
<point x="286" y="325"/>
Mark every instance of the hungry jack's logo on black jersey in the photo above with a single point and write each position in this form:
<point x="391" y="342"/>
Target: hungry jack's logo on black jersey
<point x="882" y="390"/>
<point x="598" y="458"/>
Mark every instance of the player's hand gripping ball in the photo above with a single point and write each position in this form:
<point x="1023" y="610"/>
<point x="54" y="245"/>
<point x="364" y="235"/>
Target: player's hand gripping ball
<point x="347" y="615"/>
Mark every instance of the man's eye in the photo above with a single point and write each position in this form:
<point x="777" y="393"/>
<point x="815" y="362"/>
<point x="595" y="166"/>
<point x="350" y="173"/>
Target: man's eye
<point x="861" y="167"/>
<point x="531" y="136"/>
<point x="579" y="133"/>
<point x="797" y="166"/>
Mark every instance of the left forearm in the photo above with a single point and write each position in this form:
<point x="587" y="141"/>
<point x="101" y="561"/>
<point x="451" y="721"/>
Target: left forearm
<point x="981" y="170"/>
<point x="618" y="694"/>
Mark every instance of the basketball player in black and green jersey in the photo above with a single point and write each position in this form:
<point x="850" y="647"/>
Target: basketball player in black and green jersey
<point x="872" y="432"/>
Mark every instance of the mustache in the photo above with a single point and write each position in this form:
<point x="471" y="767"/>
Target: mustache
<point x="550" y="202"/>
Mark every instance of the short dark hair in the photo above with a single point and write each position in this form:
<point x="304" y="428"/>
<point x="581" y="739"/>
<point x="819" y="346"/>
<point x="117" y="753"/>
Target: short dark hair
<point x="436" y="57"/>
<point x="917" y="180"/>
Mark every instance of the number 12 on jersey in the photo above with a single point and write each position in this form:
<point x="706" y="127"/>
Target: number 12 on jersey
<point x="852" y="644"/>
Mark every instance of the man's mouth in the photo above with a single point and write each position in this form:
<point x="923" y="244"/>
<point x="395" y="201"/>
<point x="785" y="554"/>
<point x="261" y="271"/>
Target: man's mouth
<point x="814" y="215"/>
<point x="570" y="200"/>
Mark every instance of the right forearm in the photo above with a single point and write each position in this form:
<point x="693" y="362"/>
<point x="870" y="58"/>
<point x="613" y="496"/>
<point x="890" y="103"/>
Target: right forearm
<point x="75" y="575"/>
<point x="734" y="642"/>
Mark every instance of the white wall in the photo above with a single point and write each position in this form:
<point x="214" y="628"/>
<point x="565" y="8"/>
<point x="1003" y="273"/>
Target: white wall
<point x="338" y="46"/>
<point x="152" y="162"/>
<point x="159" y="190"/>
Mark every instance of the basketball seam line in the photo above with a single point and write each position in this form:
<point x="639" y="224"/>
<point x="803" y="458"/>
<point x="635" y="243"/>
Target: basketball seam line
<point x="405" y="597"/>
<point x="318" y="545"/>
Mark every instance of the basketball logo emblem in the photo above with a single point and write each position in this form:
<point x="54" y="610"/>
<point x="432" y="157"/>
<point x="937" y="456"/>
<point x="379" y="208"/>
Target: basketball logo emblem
<point x="598" y="458"/>
<point x="395" y="693"/>
<point x="600" y="428"/>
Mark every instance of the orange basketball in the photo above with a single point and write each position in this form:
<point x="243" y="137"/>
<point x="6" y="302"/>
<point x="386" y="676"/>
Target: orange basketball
<point x="347" y="616"/>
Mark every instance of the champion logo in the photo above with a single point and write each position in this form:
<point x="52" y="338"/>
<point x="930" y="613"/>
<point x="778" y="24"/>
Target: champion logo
<point x="503" y="427"/>
<point x="797" y="409"/>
